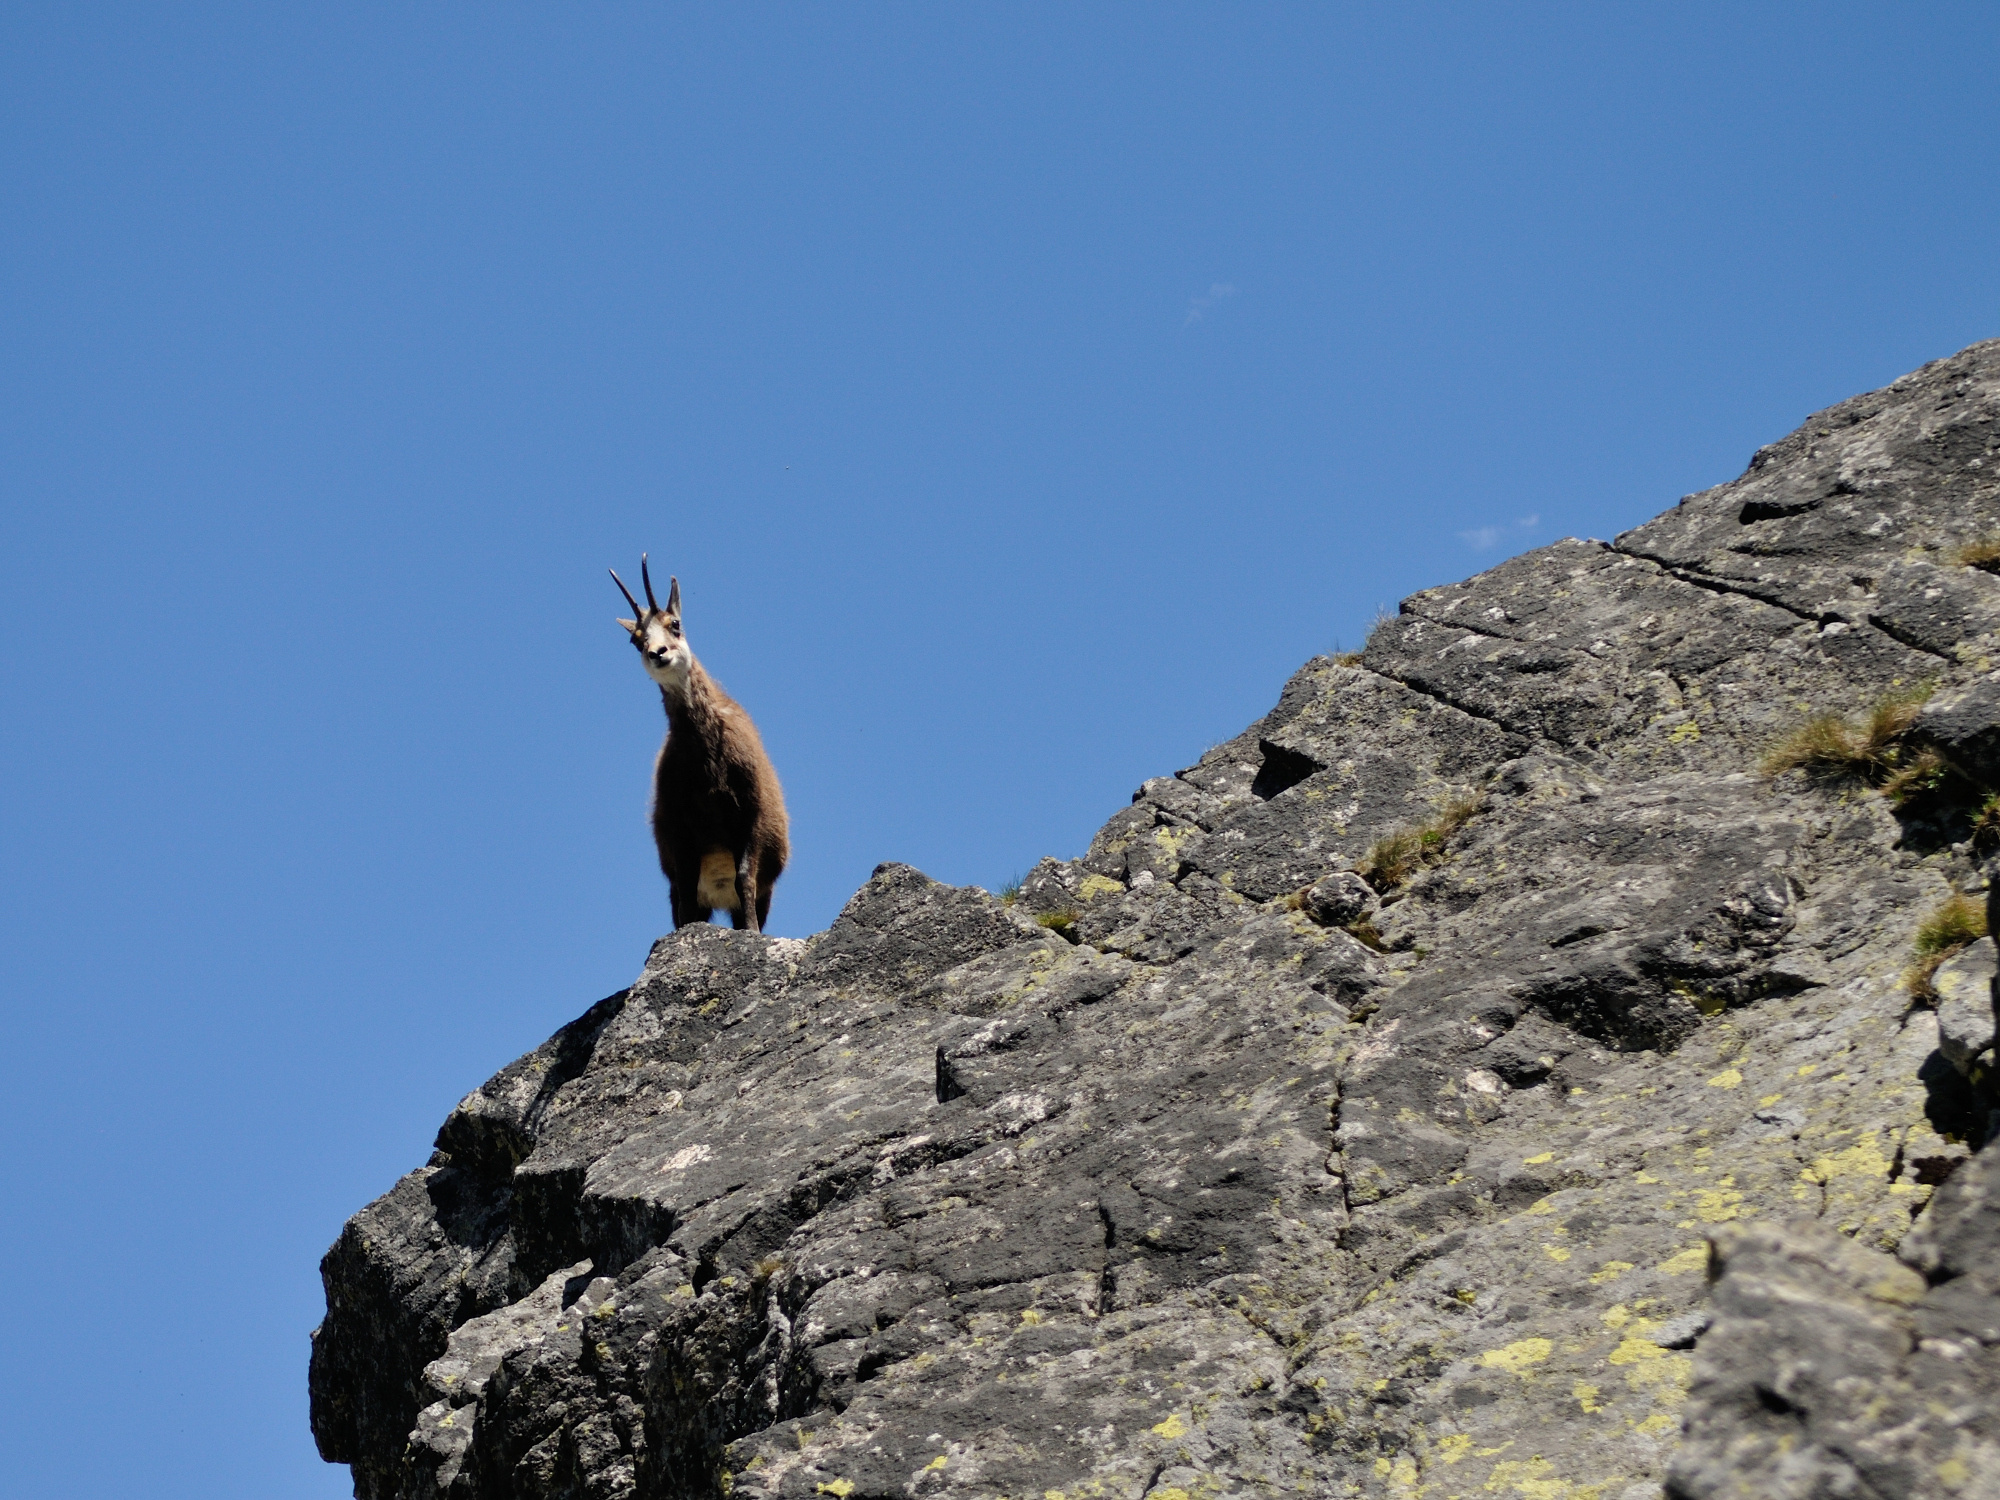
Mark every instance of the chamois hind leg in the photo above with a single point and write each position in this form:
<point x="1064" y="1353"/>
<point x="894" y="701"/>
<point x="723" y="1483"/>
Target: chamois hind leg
<point x="747" y="914"/>
<point x="770" y="865"/>
<point x="687" y="907"/>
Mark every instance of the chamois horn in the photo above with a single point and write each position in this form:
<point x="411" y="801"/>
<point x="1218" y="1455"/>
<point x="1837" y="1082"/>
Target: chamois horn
<point x="647" y="578"/>
<point x="638" y="614"/>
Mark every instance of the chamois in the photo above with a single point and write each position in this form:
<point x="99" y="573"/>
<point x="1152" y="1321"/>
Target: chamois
<point x="718" y="812"/>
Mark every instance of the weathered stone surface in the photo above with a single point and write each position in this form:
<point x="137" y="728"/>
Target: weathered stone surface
<point x="1339" y="899"/>
<point x="1965" y="727"/>
<point x="1201" y="1167"/>
<point x="1359" y="756"/>
<point x="1835" y="1370"/>
<point x="1965" y="1006"/>
<point x="1822" y="520"/>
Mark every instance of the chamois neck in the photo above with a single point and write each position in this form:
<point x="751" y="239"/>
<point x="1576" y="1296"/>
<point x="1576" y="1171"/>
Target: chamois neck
<point x="691" y="702"/>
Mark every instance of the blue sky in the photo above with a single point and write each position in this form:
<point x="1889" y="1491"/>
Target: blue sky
<point x="1020" y="393"/>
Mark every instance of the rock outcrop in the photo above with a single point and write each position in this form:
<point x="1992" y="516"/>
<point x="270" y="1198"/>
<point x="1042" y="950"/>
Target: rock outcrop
<point x="1600" y="1113"/>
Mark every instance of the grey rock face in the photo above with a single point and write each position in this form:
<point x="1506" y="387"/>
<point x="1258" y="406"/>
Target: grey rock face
<point x="1835" y="1370"/>
<point x="1201" y="1167"/>
<point x="1965" y="1006"/>
<point x="1965" y="726"/>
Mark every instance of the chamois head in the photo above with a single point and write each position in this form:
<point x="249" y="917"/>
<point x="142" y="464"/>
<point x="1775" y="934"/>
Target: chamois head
<point x="656" y="632"/>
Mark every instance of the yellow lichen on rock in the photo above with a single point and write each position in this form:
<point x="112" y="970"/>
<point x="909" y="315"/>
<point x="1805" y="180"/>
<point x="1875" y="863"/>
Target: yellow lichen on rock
<point x="1718" y="1204"/>
<point x="1536" y="1479"/>
<point x="1693" y="1258"/>
<point x="1518" y="1357"/>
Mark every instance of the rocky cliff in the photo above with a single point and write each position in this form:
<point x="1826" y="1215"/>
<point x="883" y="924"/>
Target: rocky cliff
<point x="1606" y="1133"/>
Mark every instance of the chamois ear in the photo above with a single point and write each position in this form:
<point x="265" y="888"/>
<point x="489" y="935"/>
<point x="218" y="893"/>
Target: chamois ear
<point x="631" y="626"/>
<point x="673" y="596"/>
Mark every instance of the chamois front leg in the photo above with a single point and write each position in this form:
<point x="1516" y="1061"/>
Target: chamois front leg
<point x="744" y="918"/>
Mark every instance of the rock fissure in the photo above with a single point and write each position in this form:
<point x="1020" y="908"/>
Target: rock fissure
<point x="1438" y="695"/>
<point x="1912" y="639"/>
<point x="1720" y="585"/>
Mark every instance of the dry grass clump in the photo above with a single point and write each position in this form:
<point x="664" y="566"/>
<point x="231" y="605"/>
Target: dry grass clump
<point x="1984" y="553"/>
<point x="1395" y="858"/>
<point x="1957" y="922"/>
<point x="1831" y="748"/>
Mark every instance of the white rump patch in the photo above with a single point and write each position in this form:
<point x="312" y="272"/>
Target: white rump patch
<point x="716" y="885"/>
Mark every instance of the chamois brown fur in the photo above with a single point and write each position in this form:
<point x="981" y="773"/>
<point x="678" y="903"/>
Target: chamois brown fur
<point x="718" y="811"/>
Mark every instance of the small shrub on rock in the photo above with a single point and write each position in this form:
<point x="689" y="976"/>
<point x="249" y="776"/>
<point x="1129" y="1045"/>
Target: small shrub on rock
<point x="1956" y="923"/>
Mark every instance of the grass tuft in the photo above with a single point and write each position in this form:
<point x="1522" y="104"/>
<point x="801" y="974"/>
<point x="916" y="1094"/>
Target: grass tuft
<point x="1820" y="746"/>
<point x="1056" y="921"/>
<point x="1393" y="859"/>
<point x="1365" y="932"/>
<point x="1891" y="717"/>
<point x="1011" y="891"/>
<point x="1924" y="772"/>
<point x="1984" y="553"/>
<point x="1955" y="923"/>
<point x="1353" y="658"/>
<point x="1831" y="748"/>
<point x="1986" y="822"/>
